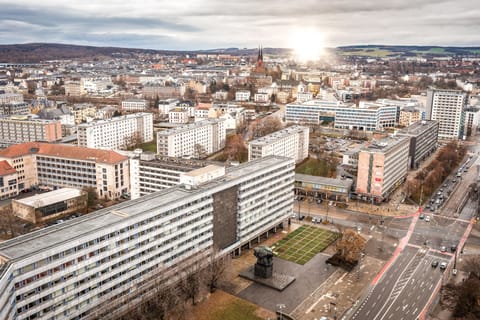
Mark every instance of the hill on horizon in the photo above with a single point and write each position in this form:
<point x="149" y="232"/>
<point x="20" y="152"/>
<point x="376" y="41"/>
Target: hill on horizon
<point x="37" y="52"/>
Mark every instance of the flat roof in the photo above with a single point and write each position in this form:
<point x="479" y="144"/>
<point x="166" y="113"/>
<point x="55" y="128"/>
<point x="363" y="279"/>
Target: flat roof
<point x="189" y="126"/>
<point x="417" y="127"/>
<point x="203" y="170"/>
<point x="270" y="138"/>
<point x="346" y="183"/>
<point x="51" y="197"/>
<point x="59" y="234"/>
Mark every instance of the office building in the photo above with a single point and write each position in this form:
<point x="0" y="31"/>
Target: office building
<point x="195" y="140"/>
<point x="367" y="117"/>
<point x="423" y="141"/>
<point x="117" y="133"/>
<point x="382" y="167"/>
<point x="291" y="142"/>
<point x="472" y="120"/>
<point x="446" y="107"/>
<point x="409" y="115"/>
<point x="19" y="129"/>
<point x="57" y="166"/>
<point x="100" y="265"/>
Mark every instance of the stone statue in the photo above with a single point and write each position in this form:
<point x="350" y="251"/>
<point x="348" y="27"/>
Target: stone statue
<point x="264" y="265"/>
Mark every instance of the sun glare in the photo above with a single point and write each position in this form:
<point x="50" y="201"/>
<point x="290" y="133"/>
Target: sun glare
<point x="308" y="44"/>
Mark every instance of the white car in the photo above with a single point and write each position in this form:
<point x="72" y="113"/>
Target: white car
<point x="427" y="219"/>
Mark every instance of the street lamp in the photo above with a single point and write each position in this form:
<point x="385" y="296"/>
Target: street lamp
<point x="280" y="307"/>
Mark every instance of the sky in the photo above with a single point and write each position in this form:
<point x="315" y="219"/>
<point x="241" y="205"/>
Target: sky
<point x="211" y="24"/>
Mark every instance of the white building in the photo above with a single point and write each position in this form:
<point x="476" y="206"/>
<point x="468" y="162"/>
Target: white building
<point x="116" y="133"/>
<point x="164" y="106"/>
<point x="446" y="107"/>
<point x="100" y="265"/>
<point x="242" y="95"/>
<point x="192" y="140"/>
<point x="291" y="142"/>
<point x="150" y="173"/>
<point x="367" y="117"/>
<point x="134" y="105"/>
<point x="178" y="115"/>
<point x="261" y="97"/>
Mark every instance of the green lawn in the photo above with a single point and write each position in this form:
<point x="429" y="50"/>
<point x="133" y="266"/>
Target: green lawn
<point x="303" y="244"/>
<point x="148" y="146"/>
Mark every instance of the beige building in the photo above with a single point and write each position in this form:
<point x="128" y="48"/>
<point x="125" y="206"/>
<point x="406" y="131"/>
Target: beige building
<point x="51" y="205"/>
<point x="8" y="180"/>
<point x="19" y="129"/>
<point x="382" y="167"/>
<point x="57" y="166"/>
<point x="409" y="116"/>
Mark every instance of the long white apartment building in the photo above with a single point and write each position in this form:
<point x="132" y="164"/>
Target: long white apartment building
<point x="150" y="173"/>
<point x="366" y="117"/>
<point x="117" y="132"/>
<point x="99" y="265"/>
<point x="447" y="108"/>
<point x="134" y="105"/>
<point x="57" y="165"/>
<point x="290" y="142"/>
<point x="193" y="140"/>
<point x="19" y="129"/>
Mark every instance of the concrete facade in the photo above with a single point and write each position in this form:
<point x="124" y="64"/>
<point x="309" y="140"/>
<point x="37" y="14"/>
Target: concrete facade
<point x="99" y="265"/>
<point x="382" y="167"/>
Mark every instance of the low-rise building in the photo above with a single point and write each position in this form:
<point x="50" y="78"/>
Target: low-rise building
<point x="242" y="95"/>
<point x="134" y="105"/>
<point x="56" y="166"/>
<point x="178" y="115"/>
<point x="48" y="206"/>
<point x="8" y="180"/>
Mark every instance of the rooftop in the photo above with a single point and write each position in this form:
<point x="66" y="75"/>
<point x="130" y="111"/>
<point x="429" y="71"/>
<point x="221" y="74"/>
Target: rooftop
<point x="268" y="139"/>
<point x="6" y="168"/>
<point x="106" y="219"/>
<point x="417" y="127"/>
<point x="189" y="126"/>
<point x="385" y="144"/>
<point x="346" y="183"/>
<point x="48" y="198"/>
<point x="62" y="151"/>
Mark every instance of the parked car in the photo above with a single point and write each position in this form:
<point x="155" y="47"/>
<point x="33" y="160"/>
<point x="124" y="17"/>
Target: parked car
<point x="443" y="265"/>
<point x="434" y="263"/>
<point x="427" y="219"/>
<point x="443" y="249"/>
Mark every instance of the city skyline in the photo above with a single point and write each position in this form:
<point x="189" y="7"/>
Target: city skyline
<point x="214" y="24"/>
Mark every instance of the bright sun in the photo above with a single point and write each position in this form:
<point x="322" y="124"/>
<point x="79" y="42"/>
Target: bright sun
<point x="308" y="44"/>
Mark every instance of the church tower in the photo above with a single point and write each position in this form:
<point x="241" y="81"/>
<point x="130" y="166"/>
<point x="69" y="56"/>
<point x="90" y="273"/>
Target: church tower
<point x="260" y="67"/>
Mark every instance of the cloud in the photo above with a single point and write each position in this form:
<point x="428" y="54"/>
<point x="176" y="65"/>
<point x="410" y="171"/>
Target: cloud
<point x="203" y="24"/>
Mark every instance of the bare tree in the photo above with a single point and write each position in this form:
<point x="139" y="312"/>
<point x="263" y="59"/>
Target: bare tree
<point x="235" y="148"/>
<point x="9" y="223"/>
<point x="190" y="281"/>
<point x="267" y="126"/>
<point x="215" y="269"/>
<point x="199" y="151"/>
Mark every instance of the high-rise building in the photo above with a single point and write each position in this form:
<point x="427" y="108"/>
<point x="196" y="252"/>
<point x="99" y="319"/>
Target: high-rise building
<point x="447" y="108"/>
<point x="291" y="142"/>
<point x="100" y="265"/>
<point x="423" y="141"/>
<point x="382" y="167"/>
<point x="117" y="132"/>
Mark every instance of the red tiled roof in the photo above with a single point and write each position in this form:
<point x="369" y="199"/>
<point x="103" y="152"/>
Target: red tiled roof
<point x="6" y="168"/>
<point x="63" y="151"/>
